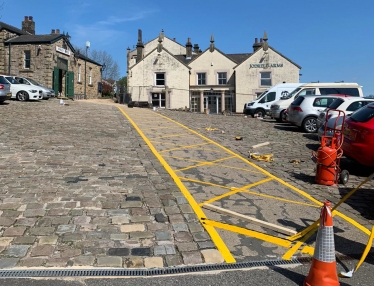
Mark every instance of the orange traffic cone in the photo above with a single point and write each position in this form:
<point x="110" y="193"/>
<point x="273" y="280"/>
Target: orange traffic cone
<point x="323" y="269"/>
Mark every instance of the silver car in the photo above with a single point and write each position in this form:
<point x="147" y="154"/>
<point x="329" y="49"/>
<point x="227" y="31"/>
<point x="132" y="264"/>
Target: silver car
<point x="5" y="92"/>
<point x="47" y="92"/>
<point x="305" y="109"/>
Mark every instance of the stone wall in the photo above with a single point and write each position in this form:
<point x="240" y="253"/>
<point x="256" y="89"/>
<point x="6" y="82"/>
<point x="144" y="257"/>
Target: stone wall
<point x="44" y="59"/>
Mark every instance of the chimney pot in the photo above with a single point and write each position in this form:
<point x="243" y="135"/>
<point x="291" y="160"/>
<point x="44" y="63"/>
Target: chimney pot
<point x="261" y="40"/>
<point x="256" y="40"/>
<point x="58" y="31"/>
<point x="53" y="31"/>
<point x="26" y="18"/>
<point x="30" y="18"/>
<point x="174" y="39"/>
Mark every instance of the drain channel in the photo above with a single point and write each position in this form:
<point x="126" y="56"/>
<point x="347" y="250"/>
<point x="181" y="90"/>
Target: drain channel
<point x="144" y="272"/>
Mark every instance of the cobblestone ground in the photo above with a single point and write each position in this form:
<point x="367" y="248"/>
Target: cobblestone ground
<point x="292" y="152"/>
<point x="79" y="187"/>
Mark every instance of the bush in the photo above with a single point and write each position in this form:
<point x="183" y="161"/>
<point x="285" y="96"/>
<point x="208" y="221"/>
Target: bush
<point x="107" y="90"/>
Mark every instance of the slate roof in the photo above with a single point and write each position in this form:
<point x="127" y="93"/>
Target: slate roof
<point x="12" y="29"/>
<point x="36" y="39"/>
<point x="238" y="58"/>
<point x="183" y="58"/>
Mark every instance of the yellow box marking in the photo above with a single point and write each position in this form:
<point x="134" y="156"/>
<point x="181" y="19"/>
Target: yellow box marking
<point x="221" y="246"/>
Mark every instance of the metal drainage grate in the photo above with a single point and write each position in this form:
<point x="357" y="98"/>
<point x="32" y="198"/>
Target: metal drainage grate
<point x="143" y="272"/>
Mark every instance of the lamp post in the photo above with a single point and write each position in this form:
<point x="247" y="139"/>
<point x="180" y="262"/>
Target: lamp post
<point x="102" y="70"/>
<point x="85" y="69"/>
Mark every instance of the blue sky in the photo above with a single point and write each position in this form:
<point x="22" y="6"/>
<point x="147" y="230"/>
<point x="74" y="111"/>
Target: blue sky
<point x="332" y="40"/>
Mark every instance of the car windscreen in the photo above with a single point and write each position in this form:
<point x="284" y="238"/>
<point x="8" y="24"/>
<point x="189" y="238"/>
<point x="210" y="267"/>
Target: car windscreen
<point x="33" y="81"/>
<point x="11" y="80"/>
<point x="291" y="94"/>
<point x="339" y="90"/>
<point x="3" y="81"/>
<point x="298" y="100"/>
<point x="364" y="114"/>
<point x="336" y="103"/>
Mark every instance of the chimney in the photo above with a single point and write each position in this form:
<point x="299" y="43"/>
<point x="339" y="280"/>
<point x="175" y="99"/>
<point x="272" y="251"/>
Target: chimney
<point x="174" y="39"/>
<point x="53" y="31"/>
<point x="257" y="45"/>
<point x="188" y="49"/>
<point x="139" y="47"/>
<point x="196" y="48"/>
<point x="28" y="25"/>
<point x="57" y="31"/>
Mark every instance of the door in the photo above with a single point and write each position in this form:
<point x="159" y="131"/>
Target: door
<point x="69" y="84"/>
<point x="56" y="80"/>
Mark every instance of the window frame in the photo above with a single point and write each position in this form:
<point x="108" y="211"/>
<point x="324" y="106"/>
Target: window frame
<point x="202" y="80"/>
<point x="27" y="59"/>
<point x="262" y="79"/>
<point x="223" y="79"/>
<point x="156" y="80"/>
<point x="79" y="73"/>
<point x="90" y="76"/>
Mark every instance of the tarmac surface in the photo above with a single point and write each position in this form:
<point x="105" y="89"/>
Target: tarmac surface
<point x="101" y="185"/>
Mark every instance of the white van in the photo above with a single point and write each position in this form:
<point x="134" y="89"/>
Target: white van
<point x="277" y="109"/>
<point x="261" y="106"/>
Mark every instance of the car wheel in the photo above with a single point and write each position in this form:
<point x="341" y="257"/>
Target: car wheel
<point x="310" y="125"/>
<point x="282" y="117"/>
<point x="344" y="177"/>
<point x="22" y="96"/>
<point x="260" y="113"/>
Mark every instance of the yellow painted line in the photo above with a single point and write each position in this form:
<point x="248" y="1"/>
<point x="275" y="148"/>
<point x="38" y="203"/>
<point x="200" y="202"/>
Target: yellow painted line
<point x="204" y="164"/>
<point x="185" y="147"/>
<point x="258" y="235"/>
<point x="221" y="246"/>
<point x="318" y="203"/>
<point x="233" y="191"/>
<point x="240" y="169"/>
<point x="204" y="183"/>
<point x="183" y="159"/>
<point x="353" y="222"/>
<point x="249" y="232"/>
<point x="297" y="245"/>
<point x="158" y="128"/>
<point x="171" y="135"/>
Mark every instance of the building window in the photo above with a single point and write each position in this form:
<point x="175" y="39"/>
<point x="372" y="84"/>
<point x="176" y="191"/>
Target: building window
<point x="222" y="78"/>
<point x="27" y="60"/>
<point x="201" y="78"/>
<point x="90" y="76"/>
<point x="79" y="73"/>
<point x="265" y="79"/>
<point x="160" y="78"/>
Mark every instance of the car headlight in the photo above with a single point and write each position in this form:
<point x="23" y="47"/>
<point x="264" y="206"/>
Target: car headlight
<point x="33" y="90"/>
<point x="275" y="106"/>
<point x="250" y="103"/>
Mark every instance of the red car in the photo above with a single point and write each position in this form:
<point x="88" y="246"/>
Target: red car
<point x="359" y="136"/>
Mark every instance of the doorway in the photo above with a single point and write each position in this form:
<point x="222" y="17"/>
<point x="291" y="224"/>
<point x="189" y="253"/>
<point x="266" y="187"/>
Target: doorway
<point x="158" y="99"/>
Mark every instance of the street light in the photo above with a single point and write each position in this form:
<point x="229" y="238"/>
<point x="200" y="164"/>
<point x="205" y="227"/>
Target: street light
<point x="85" y="69"/>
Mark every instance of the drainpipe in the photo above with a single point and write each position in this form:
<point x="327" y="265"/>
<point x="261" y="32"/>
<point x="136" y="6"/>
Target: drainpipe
<point x="9" y="59"/>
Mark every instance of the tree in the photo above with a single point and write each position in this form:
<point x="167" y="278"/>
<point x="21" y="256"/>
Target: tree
<point x="122" y="84"/>
<point x="111" y="70"/>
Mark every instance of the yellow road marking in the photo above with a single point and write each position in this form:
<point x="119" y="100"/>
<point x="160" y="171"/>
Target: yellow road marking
<point x="185" y="147"/>
<point x="204" y="164"/>
<point x="297" y="245"/>
<point x="171" y="135"/>
<point x="318" y="203"/>
<point x="221" y="246"/>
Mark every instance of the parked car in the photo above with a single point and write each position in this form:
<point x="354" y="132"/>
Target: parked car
<point x="277" y="109"/>
<point x="23" y="92"/>
<point x="5" y="92"/>
<point x="143" y="104"/>
<point x="47" y="92"/>
<point x="359" y="136"/>
<point x="304" y="110"/>
<point x="346" y="104"/>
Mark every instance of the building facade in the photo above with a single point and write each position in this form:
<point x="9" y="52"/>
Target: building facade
<point x="49" y="59"/>
<point x="169" y="75"/>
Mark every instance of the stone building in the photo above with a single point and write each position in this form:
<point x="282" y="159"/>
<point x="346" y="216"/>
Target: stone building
<point x="49" y="59"/>
<point x="170" y="75"/>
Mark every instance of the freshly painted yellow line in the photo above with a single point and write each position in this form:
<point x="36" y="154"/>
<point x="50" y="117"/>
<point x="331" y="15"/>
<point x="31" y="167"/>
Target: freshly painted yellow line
<point x="259" y="235"/>
<point x="221" y="246"/>
<point x="233" y="191"/>
<point x="352" y="221"/>
<point x="170" y="135"/>
<point x="203" y="164"/>
<point x="318" y="203"/>
<point x="297" y="245"/>
<point x="185" y="147"/>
